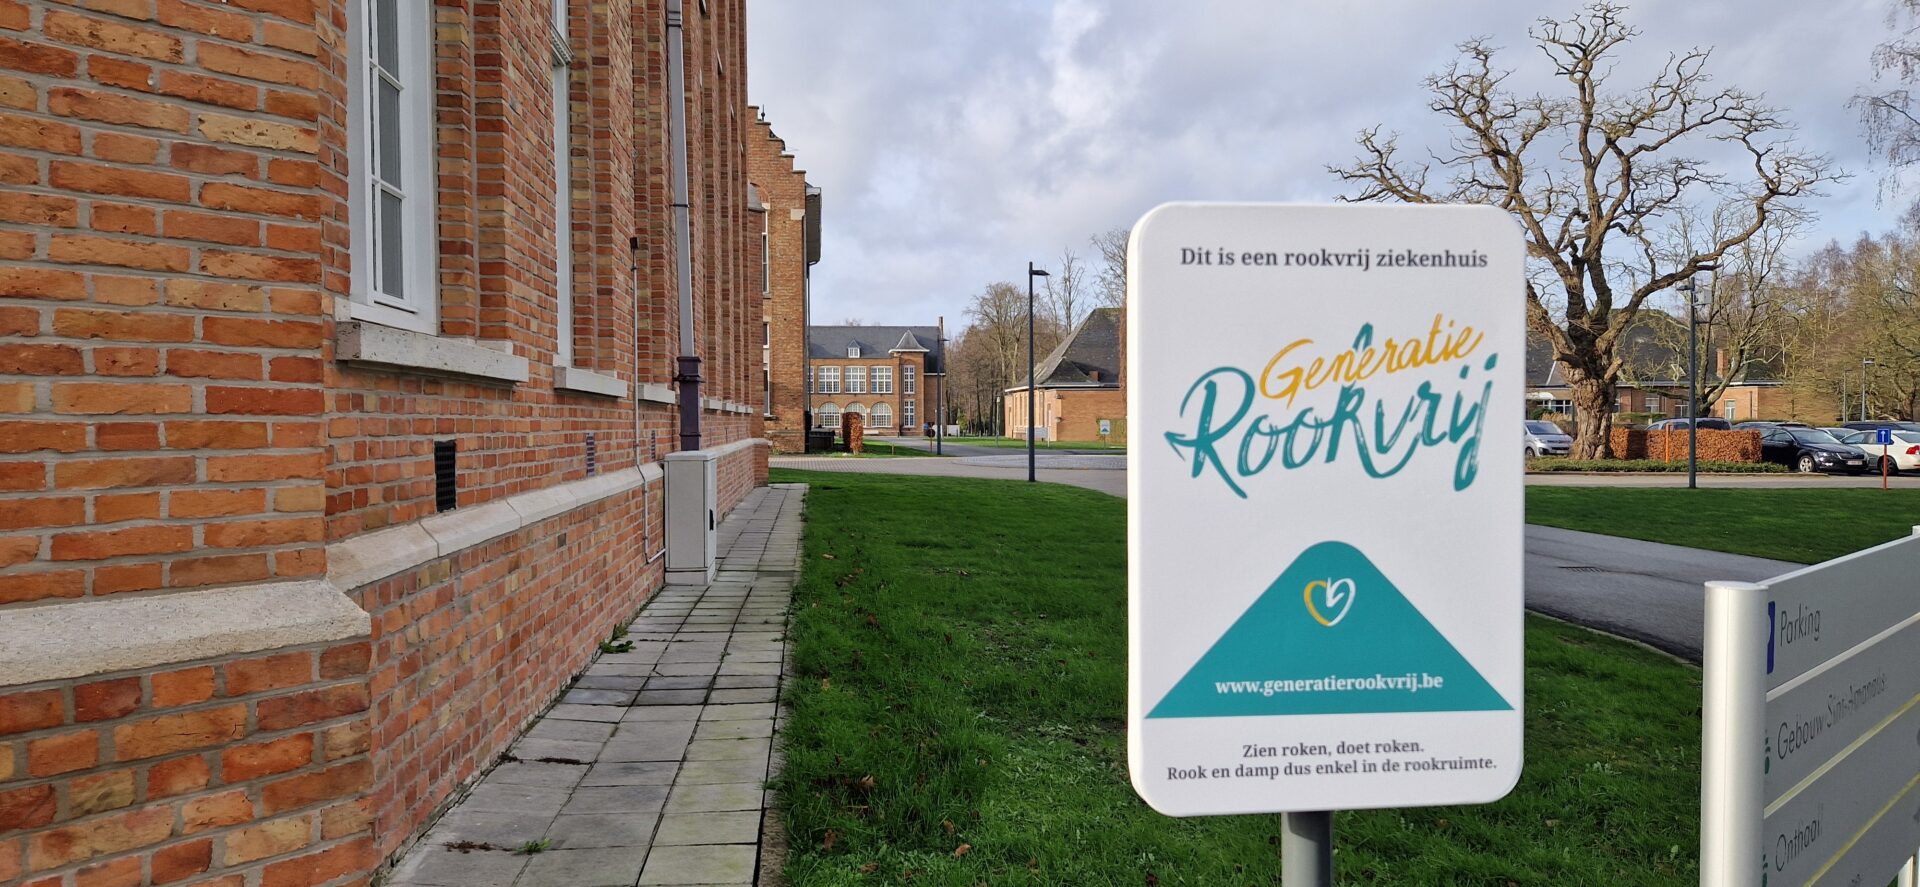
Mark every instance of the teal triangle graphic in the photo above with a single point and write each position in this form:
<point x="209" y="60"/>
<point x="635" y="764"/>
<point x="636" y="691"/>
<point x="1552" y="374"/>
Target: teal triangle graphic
<point x="1331" y="636"/>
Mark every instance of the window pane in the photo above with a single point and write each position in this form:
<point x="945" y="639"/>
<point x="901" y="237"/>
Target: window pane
<point x="392" y="260"/>
<point x="387" y="33"/>
<point x="387" y="134"/>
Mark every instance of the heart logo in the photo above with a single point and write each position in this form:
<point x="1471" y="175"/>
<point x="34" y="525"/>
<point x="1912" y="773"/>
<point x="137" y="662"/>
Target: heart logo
<point x="1335" y="599"/>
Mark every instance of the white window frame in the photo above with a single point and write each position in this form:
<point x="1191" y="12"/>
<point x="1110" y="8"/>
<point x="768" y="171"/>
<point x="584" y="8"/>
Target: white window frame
<point x="882" y="380"/>
<point x="882" y="415"/>
<point x="417" y="306"/>
<point x="856" y="379"/>
<point x="829" y="380"/>
<point x="906" y="414"/>
<point x="853" y="350"/>
<point x="820" y="416"/>
<point x="766" y="257"/>
<point x="908" y="376"/>
<point x="562" y="188"/>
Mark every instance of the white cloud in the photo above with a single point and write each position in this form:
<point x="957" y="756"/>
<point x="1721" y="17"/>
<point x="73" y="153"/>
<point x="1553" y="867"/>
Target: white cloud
<point x="957" y="141"/>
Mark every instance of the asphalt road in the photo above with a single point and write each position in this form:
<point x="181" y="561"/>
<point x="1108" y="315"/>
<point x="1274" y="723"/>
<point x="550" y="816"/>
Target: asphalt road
<point x="1645" y="591"/>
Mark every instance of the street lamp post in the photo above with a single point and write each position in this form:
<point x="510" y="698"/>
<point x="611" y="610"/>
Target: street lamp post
<point x="1693" y="379"/>
<point x="940" y="395"/>
<point x="1865" y="364"/>
<point x="1032" y="273"/>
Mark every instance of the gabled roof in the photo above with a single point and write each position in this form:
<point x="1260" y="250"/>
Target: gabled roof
<point x="1088" y="358"/>
<point x="877" y="341"/>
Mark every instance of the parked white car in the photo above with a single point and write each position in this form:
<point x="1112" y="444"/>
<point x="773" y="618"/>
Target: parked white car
<point x="1546" y="439"/>
<point x="1904" y="452"/>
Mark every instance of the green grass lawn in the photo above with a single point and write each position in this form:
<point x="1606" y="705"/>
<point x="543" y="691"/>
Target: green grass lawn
<point x="1807" y="526"/>
<point x="1015" y="443"/>
<point x="958" y="718"/>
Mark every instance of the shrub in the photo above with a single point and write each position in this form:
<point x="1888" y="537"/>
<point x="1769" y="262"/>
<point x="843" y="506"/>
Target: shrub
<point x="1548" y="465"/>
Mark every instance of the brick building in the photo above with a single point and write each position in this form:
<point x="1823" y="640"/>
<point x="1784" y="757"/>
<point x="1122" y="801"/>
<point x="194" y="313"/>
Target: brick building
<point x="889" y="374"/>
<point x="337" y="368"/>
<point x="789" y="247"/>
<point x="1079" y="395"/>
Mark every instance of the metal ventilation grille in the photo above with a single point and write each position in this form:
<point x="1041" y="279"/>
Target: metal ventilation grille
<point x="593" y="456"/>
<point x="445" y="485"/>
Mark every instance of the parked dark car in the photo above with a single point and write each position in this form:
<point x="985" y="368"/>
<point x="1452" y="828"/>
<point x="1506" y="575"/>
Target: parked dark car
<point x="1808" y="450"/>
<point x="1707" y="422"/>
<point x="1758" y="424"/>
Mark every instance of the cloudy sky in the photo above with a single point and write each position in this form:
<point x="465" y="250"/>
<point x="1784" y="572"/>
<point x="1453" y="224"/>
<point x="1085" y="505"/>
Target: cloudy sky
<point x="957" y="140"/>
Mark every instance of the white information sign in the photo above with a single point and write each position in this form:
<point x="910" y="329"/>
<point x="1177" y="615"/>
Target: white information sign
<point x="1324" y="512"/>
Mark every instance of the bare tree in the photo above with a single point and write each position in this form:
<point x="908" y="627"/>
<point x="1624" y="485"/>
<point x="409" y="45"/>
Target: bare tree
<point x="1892" y="118"/>
<point x="990" y="355"/>
<point x="1594" y="179"/>
<point x="1110" y="272"/>
<point x="1066" y="289"/>
<point x="1743" y="306"/>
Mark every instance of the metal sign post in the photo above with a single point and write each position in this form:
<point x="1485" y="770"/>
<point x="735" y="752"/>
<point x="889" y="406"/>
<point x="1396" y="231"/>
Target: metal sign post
<point x="1325" y="547"/>
<point x="1884" y="437"/>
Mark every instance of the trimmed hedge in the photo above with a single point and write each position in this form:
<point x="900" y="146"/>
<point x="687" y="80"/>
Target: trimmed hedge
<point x="1542" y="466"/>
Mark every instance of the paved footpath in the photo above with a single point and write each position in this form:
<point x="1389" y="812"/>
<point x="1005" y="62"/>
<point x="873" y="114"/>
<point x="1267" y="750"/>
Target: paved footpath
<point x="652" y="769"/>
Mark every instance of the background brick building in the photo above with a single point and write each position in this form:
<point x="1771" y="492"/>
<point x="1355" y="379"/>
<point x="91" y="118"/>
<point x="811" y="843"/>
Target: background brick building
<point x="336" y="358"/>
<point x="1079" y="386"/>
<point x="890" y="374"/>
<point x="789" y="247"/>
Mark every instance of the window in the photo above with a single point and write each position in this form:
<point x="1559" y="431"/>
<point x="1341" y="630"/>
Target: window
<point x="766" y="390"/>
<point x="883" y="380"/>
<point x="829" y="380"/>
<point x="390" y="162"/>
<point x="1732" y="410"/>
<point x="856" y="380"/>
<point x="562" y="187"/>
<point x="853" y="349"/>
<point x="857" y="407"/>
<point x="809" y="380"/>
<point x="1653" y="404"/>
<point x="766" y="258"/>
<point x="828" y="416"/>
<point x="906" y="414"/>
<point x="882" y="415"/>
<point x="906" y="382"/>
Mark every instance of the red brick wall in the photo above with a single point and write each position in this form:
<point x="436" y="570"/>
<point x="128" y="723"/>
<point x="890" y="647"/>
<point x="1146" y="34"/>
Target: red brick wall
<point x="783" y="190"/>
<point x="174" y="265"/>
<point x="161" y="413"/>
<point x="254" y="767"/>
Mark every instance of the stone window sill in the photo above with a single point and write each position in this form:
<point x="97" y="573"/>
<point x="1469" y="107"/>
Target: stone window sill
<point x="373" y="343"/>
<point x="567" y="378"/>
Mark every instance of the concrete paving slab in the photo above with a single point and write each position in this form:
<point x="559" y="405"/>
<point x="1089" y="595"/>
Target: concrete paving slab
<point x="735" y="827"/>
<point x="586" y="831"/>
<point x="606" y="867"/>
<point x="441" y="866"/>
<point x="721" y="864"/>
<point x="644" y="799"/>
<point x="537" y="773"/>
<point x="631" y="773"/>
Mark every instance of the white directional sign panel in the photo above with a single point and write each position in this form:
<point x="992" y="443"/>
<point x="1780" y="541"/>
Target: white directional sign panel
<point x="1811" y="758"/>
<point x="1324" y="512"/>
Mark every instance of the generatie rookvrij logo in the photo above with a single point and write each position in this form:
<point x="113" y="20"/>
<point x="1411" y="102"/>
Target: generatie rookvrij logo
<point x="1336" y="598"/>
